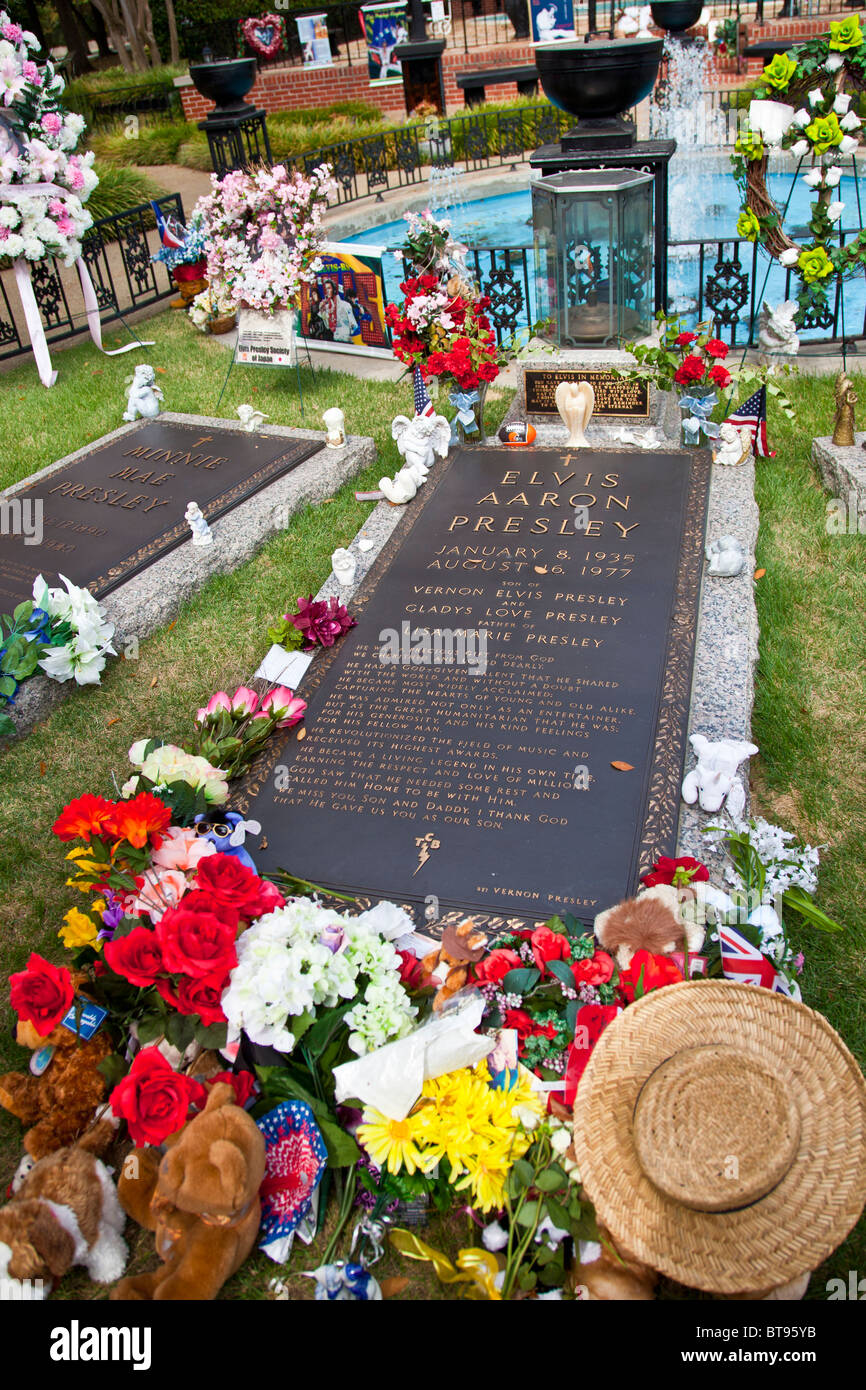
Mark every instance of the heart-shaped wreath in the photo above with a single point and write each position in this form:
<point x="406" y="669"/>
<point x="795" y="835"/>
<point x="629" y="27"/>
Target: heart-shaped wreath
<point x="265" y="34"/>
<point x="806" y="102"/>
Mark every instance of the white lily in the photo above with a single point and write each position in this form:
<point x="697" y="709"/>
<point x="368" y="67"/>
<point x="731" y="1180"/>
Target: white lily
<point x="813" y="178"/>
<point x="848" y="144"/>
<point x="841" y="104"/>
<point x="790" y="256"/>
<point x="815" y="97"/>
<point x="834" y="211"/>
<point x="851" y="121"/>
<point x="833" y="62"/>
<point x="832" y="175"/>
<point x="802" y="118"/>
<point x="800" y="149"/>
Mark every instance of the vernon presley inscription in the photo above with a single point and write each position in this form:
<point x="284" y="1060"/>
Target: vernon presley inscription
<point x="122" y="504"/>
<point x="613" y="395"/>
<point x="493" y="790"/>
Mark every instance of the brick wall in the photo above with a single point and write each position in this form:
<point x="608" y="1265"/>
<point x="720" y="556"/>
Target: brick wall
<point x="281" y="89"/>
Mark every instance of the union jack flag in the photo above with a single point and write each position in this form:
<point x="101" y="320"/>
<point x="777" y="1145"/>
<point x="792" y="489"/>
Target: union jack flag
<point x="744" y="962"/>
<point x="423" y="403"/>
<point x="753" y="413"/>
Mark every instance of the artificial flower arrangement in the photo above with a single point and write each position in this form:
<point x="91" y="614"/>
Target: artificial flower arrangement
<point x="801" y="105"/>
<point x="442" y="326"/>
<point x="210" y="306"/>
<point x="62" y="632"/>
<point x="315" y="623"/>
<point x="181" y="246"/>
<point x="44" y="184"/>
<point x="693" y="363"/>
<point x="263" y="231"/>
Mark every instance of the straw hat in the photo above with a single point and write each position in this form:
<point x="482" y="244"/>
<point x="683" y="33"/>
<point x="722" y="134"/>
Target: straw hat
<point x="720" y="1131"/>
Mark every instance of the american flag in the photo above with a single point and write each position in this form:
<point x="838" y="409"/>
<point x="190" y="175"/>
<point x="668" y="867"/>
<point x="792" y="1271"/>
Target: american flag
<point x="171" y="234"/>
<point x="423" y="403"/>
<point x="753" y="413"/>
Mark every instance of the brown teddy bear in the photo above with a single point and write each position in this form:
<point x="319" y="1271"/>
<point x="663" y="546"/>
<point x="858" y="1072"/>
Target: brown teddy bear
<point x="65" y="1212"/>
<point x="448" y="967"/>
<point x="201" y="1200"/>
<point x="58" y="1106"/>
<point x="657" y="920"/>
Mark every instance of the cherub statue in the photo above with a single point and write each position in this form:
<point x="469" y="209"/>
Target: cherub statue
<point x="420" y="439"/>
<point x="777" y="332"/>
<point x="201" y="532"/>
<point x="846" y="399"/>
<point x="144" y="395"/>
<point x="726" y="557"/>
<point x="399" y="489"/>
<point x="735" y="445"/>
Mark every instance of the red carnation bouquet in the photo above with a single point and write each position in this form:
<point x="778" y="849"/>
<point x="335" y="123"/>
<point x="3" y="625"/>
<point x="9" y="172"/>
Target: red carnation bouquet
<point x="442" y="325"/>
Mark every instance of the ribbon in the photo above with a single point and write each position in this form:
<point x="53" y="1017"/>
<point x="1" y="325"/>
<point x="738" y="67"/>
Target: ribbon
<point x="463" y="401"/>
<point x="475" y="1267"/>
<point x="9" y="193"/>
<point x="700" y="408"/>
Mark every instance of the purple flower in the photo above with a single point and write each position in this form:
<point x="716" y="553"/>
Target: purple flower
<point x="111" y="917"/>
<point x="321" y="622"/>
<point x="334" y="937"/>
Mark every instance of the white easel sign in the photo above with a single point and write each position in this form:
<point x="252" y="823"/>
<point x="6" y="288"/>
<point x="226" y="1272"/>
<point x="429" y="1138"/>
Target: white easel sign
<point x="266" y="340"/>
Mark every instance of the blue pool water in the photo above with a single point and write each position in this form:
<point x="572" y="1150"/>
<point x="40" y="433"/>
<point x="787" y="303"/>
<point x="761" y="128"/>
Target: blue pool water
<point x="706" y="209"/>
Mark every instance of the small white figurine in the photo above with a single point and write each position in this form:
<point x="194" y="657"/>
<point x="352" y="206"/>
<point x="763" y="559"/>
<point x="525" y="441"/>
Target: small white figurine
<point x="335" y="424"/>
<point x="344" y="564"/>
<point x="399" y="489"/>
<point x="777" y="332"/>
<point x="726" y="556"/>
<point x="251" y="418"/>
<point x="735" y="445"/>
<point x="143" y="396"/>
<point x="715" y="779"/>
<point x="201" y="532"/>
<point x="575" y="401"/>
<point x="420" y="439"/>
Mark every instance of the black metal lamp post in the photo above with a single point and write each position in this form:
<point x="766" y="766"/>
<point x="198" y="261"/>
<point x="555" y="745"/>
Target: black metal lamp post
<point x="421" y="61"/>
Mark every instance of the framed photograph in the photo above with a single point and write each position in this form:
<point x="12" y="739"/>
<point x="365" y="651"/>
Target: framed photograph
<point x="551" y="20"/>
<point x="343" y="310"/>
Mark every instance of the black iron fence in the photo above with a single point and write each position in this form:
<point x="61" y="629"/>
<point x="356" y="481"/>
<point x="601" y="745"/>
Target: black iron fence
<point x="117" y="254"/>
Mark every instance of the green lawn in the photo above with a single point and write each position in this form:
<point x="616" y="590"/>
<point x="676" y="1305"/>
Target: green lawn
<point x="810" y="714"/>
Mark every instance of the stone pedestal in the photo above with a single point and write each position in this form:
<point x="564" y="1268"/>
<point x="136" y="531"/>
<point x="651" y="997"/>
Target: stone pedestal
<point x="843" y="469"/>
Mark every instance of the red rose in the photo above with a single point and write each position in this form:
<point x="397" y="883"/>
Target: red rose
<point x="196" y="942"/>
<point x="154" y="1099"/>
<point x="597" y="970"/>
<point x="720" y="376"/>
<point x="647" y="972"/>
<point x="591" y="1022"/>
<point x="549" y="945"/>
<point x="41" y="994"/>
<point x="136" y="957"/>
<point x="714" y="347"/>
<point x="520" y="1020"/>
<point x="684" y="339"/>
<point x="543" y="1030"/>
<point x="166" y="990"/>
<point x="495" y="966"/>
<point x="231" y="884"/>
<point x="203" y="997"/>
<point x="691" y="369"/>
<point x="685" y="869"/>
<point x="243" y="1082"/>
<point x="411" y="970"/>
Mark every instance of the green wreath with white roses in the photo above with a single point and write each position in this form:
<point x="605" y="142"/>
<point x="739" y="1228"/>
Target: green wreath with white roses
<point x="805" y="103"/>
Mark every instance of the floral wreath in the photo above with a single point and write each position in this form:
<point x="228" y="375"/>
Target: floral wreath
<point x="803" y="104"/>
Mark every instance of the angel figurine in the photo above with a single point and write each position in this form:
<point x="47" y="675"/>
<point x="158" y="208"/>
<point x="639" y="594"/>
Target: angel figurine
<point x="846" y="399"/>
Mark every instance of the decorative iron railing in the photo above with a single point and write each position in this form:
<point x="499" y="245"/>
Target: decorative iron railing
<point x="118" y="256"/>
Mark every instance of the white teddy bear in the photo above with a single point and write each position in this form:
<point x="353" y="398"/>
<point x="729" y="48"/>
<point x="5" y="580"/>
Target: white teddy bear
<point x="715" y="778"/>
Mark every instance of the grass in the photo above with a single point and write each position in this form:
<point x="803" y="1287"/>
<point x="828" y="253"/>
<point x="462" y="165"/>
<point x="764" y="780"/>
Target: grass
<point x="810" y="711"/>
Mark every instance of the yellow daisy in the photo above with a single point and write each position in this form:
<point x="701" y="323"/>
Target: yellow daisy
<point x="391" y="1143"/>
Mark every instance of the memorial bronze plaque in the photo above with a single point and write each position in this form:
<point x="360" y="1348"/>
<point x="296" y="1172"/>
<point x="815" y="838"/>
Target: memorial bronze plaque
<point x="614" y="395"/>
<point x="121" y="505"/>
<point x="494" y="787"/>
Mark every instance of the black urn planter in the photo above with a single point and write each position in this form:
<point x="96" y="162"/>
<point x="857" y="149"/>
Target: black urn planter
<point x="225" y="83"/>
<point x="596" y="81"/>
<point x="676" y="15"/>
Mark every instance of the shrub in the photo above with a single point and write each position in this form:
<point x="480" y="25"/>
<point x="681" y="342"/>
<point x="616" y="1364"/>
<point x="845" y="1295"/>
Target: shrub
<point x="120" y="189"/>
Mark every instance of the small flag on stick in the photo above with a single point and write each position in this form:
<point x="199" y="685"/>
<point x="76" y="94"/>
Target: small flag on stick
<point x="753" y="413"/>
<point x="423" y="403"/>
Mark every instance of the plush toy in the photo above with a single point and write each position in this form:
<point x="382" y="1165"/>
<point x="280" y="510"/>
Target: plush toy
<point x="58" y="1105"/>
<point x="715" y="779"/>
<point x="448" y="967"/>
<point x="201" y="1199"/>
<point x="228" y="830"/>
<point x="65" y="1212"/>
<point x="654" y="921"/>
